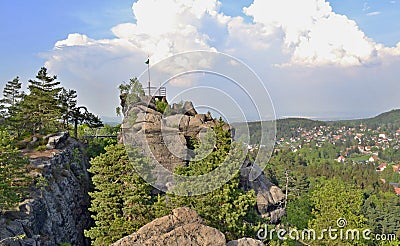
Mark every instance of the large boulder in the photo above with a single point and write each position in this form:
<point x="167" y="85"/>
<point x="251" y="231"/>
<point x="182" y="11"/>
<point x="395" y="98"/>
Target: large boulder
<point x="57" y="140"/>
<point x="189" y="109"/>
<point x="245" y="242"/>
<point x="182" y="227"/>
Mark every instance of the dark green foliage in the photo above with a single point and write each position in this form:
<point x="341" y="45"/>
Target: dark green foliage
<point x="68" y="101"/>
<point x="299" y="212"/>
<point x="11" y="95"/>
<point x="80" y="115"/>
<point x="382" y="210"/>
<point x="228" y="208"/>
<point x="40" y="107"/>
<point x="121" y="202"/>
<point x="96" y="146"/>
<point x="10" y="106"/>
<point x="284" y="127"/>
<point x="388" y="120"/>
<point x="163" y="107"/>
<point x="13" y="177"/>
<point x="47" y="108"/>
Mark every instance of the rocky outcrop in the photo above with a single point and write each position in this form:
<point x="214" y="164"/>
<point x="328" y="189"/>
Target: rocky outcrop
<point x="57" y="209"/>
<point x="165" y="137"/>
<point x="56" y="140"/>
<point x="182" y="227"/>
<point x="270" y="198"/>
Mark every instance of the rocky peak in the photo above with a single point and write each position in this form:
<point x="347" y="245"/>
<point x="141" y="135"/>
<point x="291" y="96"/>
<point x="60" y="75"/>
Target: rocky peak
<point x="165" y="136"/>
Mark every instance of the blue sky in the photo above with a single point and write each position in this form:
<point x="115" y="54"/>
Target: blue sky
<point x="274" y="47"/>
<point x="30" y="28"/>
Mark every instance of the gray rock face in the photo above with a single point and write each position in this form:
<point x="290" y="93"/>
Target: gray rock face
<point x="270" y="198"/>
<point x="56" y="141"/>
<point x="188" y="109"/>
<point x="164" y="137"/>
<point x="57" y="210"/>
<point x="182" y="227"/>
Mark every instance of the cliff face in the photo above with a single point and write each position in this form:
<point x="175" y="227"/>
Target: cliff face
<point x="57" y="209"/>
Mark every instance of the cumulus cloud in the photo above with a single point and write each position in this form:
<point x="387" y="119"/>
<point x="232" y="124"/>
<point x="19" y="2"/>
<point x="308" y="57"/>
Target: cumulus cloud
<point x="283" y="37"/>
<point x="313" y="33"/>
<point x="166" y="27"/>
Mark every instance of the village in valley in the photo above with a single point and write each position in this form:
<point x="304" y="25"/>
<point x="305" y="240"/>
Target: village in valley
<point x="355" y="145"/>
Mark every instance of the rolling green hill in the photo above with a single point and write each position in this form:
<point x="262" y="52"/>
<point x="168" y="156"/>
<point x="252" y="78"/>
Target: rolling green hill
<point x="390" y="119"/>
<point x="285" y="127"/>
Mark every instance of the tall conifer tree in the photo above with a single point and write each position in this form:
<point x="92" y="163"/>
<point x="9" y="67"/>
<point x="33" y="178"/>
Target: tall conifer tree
<point x="41" y="106"/>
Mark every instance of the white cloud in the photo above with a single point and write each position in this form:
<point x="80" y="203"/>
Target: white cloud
<point x="313" y="33"/>
<point x="74" y="39"/>
<point x="300" y="36"/>
<point x="373" y="13"/>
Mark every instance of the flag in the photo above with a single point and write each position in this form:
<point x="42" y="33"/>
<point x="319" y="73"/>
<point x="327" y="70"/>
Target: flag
<point x="148" y="61"/>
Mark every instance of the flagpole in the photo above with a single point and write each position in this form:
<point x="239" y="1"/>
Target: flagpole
<point x="148" y="72"/>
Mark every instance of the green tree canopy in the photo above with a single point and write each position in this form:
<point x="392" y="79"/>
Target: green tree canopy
<point x="121" y="202"/>
<point x="41" y="106"/>
<point x="13" y="177"/>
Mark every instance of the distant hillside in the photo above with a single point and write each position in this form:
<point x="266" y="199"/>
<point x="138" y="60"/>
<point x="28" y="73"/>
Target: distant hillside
<point x="112" y="121"/>
<point x="285" y="127"/>
<point x="389" y="119"/>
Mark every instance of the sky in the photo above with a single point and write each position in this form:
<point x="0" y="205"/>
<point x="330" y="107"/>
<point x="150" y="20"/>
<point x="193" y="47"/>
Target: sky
<point x="317" y="59"/>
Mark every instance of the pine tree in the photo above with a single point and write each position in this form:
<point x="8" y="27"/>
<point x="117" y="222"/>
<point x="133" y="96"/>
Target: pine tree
<point x="227" y="208"/>
<point x="68" y="102"/>
<point x="10" y="104"/>
<point x="13" y="177"/>
<point x="41" y="106"/>
<point x="12" y="92"/>
<point x="121" y="202"/>
<point x="382" y="211"/>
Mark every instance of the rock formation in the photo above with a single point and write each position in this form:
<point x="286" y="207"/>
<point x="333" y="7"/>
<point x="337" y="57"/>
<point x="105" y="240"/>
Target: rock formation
<point x="57" y="209"/>
<point x="270" y="198"/>
<point x="166" y="137"/>
<point x="182" y="227"/>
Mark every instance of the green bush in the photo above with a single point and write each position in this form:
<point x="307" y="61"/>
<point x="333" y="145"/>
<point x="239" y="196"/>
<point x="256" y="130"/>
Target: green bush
<point x="163" y="107"/>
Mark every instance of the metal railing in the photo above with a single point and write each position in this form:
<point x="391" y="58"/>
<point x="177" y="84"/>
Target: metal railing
<point x="156" y="91"/>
